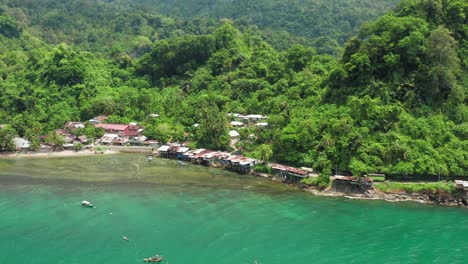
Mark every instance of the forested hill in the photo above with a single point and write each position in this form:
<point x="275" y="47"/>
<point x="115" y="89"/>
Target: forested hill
<point x="101" y="25"/>
<point x="394" y="103"/>
<point x="337" y="19"/>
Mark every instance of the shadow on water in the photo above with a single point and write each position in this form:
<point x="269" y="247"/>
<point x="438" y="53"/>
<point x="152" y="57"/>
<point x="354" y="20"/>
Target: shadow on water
<point x="129" y="171"/>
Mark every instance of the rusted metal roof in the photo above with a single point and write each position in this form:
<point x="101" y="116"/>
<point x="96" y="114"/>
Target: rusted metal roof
<point x="289" y="169"/>
<point x="113" y="127"/>
<point x="461" y="184"/>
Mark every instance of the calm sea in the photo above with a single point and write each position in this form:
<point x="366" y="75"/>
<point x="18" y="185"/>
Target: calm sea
<point x="192" y="214"/>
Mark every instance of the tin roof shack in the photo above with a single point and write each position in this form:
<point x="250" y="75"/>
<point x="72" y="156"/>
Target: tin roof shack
<point x="197" y="155"/>
<point x="237" y="124"/>
<point x="98" y="119"/>
<point x="133" y="131"/>
<point x="113" y="128"/>
<point x="172" y="150"/>
<point x="164" y="151"/>
<point x="462" y="189"/>
<point x="180" y="152"/>
<point x="289" y="174"/>
<point x="215" y="158"/>
<point x="240" y="164"/>
<point x="349" y="184"/>
<point x="108" y="139"/>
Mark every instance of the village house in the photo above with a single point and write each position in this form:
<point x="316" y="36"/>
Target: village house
<point x="108" y="138"/>
<point x="289" y="174"/>
<point x="98" y="119"/>
<point x="256" y="118"/>
<point x="121" y="134"/>
<point x="196" y="156"/>
<point x="349" y="184"/>
<point x="241" y="164"/>
<point x="137" y="141"/>
<point x="71" y="126"/>
<point x="215" y="158"/>
<point x="67" y="137"/>
<point x="246" y="119"/>
<point x="237" y="124"/>
<point x="113" y="128"/>
<point x="173" y="150"/>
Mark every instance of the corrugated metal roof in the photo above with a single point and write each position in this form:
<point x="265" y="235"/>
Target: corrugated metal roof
<point x="233" y="133"/>
<point x="289" y="169"/>
<point x="164" y="148"/>
<point x="115" y="127"/>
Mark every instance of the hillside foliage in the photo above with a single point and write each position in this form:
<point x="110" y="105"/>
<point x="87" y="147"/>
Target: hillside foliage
<point x="394" y="102"/>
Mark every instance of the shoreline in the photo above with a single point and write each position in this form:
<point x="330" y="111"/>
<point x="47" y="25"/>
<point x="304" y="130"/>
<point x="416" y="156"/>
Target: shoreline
<point x="55" y="154"/>
<point x="392" y="197"/>
<point x="376" y="194"/>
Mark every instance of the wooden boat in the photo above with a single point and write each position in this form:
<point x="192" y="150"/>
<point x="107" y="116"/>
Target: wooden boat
<point x="155" y="259"/>
<point x="87" y="204"/>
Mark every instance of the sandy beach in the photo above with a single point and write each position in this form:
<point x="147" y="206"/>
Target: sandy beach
<point x="65" y="153"/>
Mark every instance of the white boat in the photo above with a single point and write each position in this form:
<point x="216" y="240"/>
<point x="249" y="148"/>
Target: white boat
<point x="87" y="204"/>
<point x="150" y="158"/>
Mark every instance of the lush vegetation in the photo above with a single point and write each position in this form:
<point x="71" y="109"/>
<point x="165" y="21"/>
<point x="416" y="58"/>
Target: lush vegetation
<point x="336" y="19"/>
<point x="416" y="187"/>
<point x="134" y="24"/>
<point x="393" y="103"/>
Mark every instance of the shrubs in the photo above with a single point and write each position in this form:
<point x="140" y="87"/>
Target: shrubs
<point x="426" y="187"/>
<point x="263" y="168"/>
<point x="322" y="181"/>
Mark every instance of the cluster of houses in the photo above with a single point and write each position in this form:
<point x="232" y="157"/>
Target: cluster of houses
<point x="239" y="120"/>
<point x="114" y="134"/>
<point x="237" y="163"/>
<point x="242" y="121"/>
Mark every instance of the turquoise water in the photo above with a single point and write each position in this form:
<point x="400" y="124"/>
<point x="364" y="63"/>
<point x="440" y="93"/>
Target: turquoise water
<point x="191" y="214"/>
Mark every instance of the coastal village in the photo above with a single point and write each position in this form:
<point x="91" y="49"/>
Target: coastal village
<point x="130" y="138"/>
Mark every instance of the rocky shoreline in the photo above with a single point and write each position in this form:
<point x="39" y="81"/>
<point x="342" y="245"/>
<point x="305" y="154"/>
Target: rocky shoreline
<point x="376" y="194"/>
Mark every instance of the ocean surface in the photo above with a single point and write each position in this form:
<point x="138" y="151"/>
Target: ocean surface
<point x="192" y="214"/>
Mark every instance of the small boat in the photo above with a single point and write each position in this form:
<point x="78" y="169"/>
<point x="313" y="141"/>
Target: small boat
<point x="181" y="162"/>
<point x="150" y="158"/>
<point x="125" y="238"/>
<point x="87" y="204"/>
<point x="155" y="259"/>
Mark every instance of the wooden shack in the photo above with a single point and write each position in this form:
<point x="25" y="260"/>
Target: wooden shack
<point x="349" y="184"/>
<point x="289" y="174"/>
<point x="239" y="163"/>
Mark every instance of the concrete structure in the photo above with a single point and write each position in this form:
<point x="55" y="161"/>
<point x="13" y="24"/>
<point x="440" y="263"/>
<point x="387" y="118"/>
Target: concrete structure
<point x="289" y="174"/>
<point x="21" y="144"/>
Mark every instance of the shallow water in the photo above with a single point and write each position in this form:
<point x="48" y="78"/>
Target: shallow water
<point x="192" y="214"/>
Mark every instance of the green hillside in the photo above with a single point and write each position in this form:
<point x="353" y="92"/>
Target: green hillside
<point x="101" y="25"/>
<point x="394" y="102"/>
